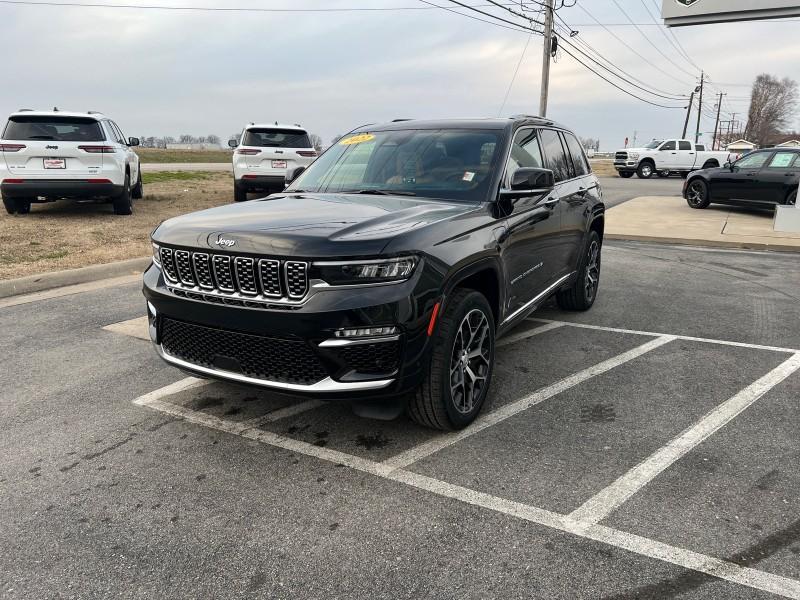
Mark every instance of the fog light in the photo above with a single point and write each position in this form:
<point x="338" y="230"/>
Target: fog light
<point x="365" y="332"/>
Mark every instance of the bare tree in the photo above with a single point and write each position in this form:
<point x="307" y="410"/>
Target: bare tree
<point x="335" y="139"/>
<point x="212" y="139"/>
<point x="589" y="143"/>
<point x="773" y="103"/>
<point x="316" y="141"/>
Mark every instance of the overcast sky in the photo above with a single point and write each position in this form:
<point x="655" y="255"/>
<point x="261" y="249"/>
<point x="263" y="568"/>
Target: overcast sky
<point x="167" y="72"/>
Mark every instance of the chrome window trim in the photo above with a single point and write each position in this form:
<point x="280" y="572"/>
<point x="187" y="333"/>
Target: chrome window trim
<point x="322" y="386"/>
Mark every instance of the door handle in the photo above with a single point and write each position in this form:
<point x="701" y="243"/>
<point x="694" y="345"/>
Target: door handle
<point x="582" y="192"/>
<point x="550" y="202"/>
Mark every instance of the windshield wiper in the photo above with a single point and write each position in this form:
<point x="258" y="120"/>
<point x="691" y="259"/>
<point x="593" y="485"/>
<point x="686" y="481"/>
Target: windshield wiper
<point x="380" y="192"/>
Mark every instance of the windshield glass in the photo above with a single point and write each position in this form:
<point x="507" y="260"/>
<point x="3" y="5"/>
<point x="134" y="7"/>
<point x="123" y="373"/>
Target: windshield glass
<point x="276" y="138"/>
<point x="654" y="144"/>
<point x="449" y="164"/>
<point x="59" y="129"/>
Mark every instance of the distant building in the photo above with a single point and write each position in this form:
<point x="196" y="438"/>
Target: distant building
<point x="790" y="144"/>
<point x="740" y="147"/>
<point x="203" y="146"/>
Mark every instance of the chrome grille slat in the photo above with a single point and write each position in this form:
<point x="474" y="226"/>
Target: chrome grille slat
<point x="235" y="280"/>
<point x="245" y="275"/>
<point x="223" y="274"/>
<point x="183" y="263"/>
<point x="269" y="273"/>
<point x="168" y="263"/>
<point x="296" y="279"/>
<point x="202" y="270"/>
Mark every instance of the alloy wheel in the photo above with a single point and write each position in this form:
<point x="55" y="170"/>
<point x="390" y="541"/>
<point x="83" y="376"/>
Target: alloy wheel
<point x="696" y="193"/>
<point x="470" y="361"/>
<point x="592" y="279"/>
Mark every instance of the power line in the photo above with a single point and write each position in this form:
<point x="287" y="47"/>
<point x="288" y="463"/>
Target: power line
<point x="666" y="37"/>
<point x="448" y="9"/>
<point x="514" y="77"/>
<point x="649" y="41"/>
<point x="66" y="3"/>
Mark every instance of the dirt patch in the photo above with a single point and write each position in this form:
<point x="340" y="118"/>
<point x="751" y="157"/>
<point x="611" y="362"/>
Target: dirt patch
<point x="603" y="167"/>
<point x="67" y="235"/>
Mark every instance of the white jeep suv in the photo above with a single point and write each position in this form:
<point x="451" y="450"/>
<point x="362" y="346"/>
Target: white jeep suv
<point x="50" y="155"/>
<point x="264" y="154"/>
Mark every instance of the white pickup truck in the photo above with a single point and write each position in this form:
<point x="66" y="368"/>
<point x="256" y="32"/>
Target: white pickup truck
<point x="663" y="157"/>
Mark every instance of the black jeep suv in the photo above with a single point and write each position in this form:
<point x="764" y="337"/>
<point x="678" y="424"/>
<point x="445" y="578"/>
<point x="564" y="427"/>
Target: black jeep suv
<point x="385" y="272"/>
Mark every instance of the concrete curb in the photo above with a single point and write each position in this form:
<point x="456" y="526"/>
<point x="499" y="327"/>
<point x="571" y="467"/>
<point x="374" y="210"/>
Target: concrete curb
<point x="702" y="242"/>
<point x="46" y="281"/>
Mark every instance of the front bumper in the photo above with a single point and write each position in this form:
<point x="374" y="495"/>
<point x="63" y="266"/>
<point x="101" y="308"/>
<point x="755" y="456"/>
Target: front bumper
<point x="60" y="188"/>
<point x="296" y="350"/>
<point x="629" y="165"/>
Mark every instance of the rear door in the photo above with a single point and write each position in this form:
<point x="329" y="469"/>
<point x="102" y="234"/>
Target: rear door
<point x="575" y="204"/>
<point x="687" y="155"/>
<point x="280" y="149"/>
<point x="53" y="147"/>
<point x="778" y="176"/>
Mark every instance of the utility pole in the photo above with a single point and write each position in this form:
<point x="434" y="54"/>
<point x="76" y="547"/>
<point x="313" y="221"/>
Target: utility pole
<point x="547" y="49"/>
<point x="688" y="114"/>
<point x="699" y="107"/>
<point x="716" y="127"/>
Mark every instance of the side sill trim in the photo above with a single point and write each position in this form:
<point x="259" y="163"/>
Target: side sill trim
<point x="538" y="298"/>
<point x="324" y="386"/>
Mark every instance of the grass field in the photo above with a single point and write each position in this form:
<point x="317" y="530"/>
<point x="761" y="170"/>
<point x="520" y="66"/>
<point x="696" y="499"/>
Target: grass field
<point x="603" y="167"/>
<point x="157" y="155"/>
<point x="67" y="235"/>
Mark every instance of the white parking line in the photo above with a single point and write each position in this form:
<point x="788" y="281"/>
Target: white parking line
<point x="679" y="337"/>
<point x="524" y="335"/>
<point x="708" y="565"/>
<point x="612" y="497"/>
<point x="412" y="455"/>
<point x="282" y="413"/>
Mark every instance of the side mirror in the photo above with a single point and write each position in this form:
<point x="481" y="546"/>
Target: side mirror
<point x="133" y="141"/>
<point x="728" y="165"/>
<point x="233" y="143"/>
<point x="529" y="181"/>
<point x="293" y="174"/>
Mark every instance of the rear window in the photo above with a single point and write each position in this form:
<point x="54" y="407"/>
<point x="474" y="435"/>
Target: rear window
<point x="58" y="129"/>
<point x="276" y="138"/>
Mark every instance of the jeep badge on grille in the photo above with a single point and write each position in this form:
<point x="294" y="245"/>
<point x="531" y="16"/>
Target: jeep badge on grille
<point x="687" y="2"/>
<point x="221" y="241"/>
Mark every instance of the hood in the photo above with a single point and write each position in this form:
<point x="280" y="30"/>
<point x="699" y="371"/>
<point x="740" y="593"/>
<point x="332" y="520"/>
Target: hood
<point x="634" y="150"/>
<point x="307" y="225"/>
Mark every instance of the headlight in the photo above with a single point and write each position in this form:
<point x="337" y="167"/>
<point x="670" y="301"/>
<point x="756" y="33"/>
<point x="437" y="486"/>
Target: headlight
<point x="633" y="155"/>
<point x="157" y="255"/>
<point x="366" y="271"/>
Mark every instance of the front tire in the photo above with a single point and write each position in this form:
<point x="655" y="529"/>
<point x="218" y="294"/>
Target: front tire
<point x="645" y="170"/>
<point x="123" y="204"/>
<point x="137" y="193"/>
<point x="697" y="194"/>
<point x="461" y="364"/>
<point x="583" y="292"/>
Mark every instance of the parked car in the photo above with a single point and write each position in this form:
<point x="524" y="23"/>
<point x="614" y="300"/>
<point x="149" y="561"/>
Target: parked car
<point x="386" y="270"/>
<point x="52" y="155"/>
<point x="764" y="178"/>
<point x="665" y="157"/>
<point x="264" y="154"/>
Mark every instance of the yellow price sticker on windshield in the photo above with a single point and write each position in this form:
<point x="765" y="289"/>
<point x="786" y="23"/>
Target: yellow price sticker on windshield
<point x="357" y="139"/>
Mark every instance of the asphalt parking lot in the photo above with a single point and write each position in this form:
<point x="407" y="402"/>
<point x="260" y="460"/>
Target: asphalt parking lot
<point x="645" y="449"/>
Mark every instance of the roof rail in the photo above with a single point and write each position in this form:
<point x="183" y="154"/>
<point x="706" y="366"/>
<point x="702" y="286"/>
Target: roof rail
<point x="93" y="112"/>
<point x="25" y="110"/>
<point x="400" y="120"/>
<point x="525" y="116"/>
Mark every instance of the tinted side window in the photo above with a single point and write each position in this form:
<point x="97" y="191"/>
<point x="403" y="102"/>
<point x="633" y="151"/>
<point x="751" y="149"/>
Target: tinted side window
<point x="782" y="160"/>
<point x="121" y="135"/>
<point x="555" y="156"/>
<point x="525" y="152"/>
<point x="668" y="146"/>
<point x="578" y="156"/>
<point x="755" y="160"/>
<point x="684" y="145"/>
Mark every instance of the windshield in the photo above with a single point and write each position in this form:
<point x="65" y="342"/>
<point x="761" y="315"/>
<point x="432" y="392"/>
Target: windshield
<point x="276" y="138"/>
<point x="449" y="164"/>
<point x="59" y="129"/>
<point x="654" y="144"/>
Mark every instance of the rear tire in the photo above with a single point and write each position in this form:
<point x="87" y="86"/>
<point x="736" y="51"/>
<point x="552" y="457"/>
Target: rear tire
<point x="583" y="292"/>
<point x="626" y="174"/>
<point x="645" y="170"/>
<point x="137" y="193"/>
<point x="19" y="206"/>
<point x="461" y="364"/>
<point x="239" y="194"/>
<point x="663" y="174"/>
<point x="697" y="194"/>
<point x="123" y="204"/>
